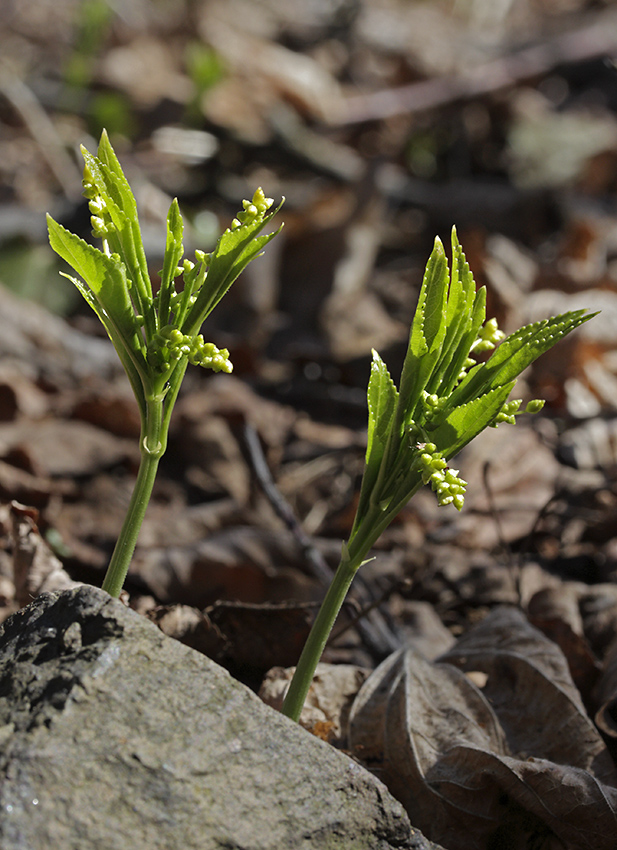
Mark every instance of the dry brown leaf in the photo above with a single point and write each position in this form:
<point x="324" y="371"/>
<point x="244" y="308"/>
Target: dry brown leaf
<point x="423" y="629"/>
<point x="414" y="711"/>
<point x="517" y="758"/>
<point x="146" y="69"/>
<point x="231" y="398"/>
<point x="260" y="636"/>
<point x="36" y="490"/>
<point x="233" y="30"/>
<point x="532" y="800"/>
<point x="556" y="612"/>
<point x="64" y="447"/>
<point x="599" y="611"/>
<point x="530" y="687"/>
<point x="606" y="695"/>
<point x="242" y="563"/>
<point x="188" y="625"/>
<point x="36" y="568"/>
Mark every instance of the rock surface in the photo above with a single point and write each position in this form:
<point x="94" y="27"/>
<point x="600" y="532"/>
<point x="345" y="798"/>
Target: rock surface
<point x="113" y="735"/>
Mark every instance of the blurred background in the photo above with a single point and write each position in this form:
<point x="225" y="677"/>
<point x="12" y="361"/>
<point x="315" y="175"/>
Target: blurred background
<point x="383" y="123"/>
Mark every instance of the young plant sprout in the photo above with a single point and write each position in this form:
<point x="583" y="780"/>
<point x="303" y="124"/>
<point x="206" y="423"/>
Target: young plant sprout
<point x="445" y="399"/>
<point x="156" y="336"/>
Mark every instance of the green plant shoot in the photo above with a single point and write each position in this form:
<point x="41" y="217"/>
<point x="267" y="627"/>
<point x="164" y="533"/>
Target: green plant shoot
<point x="155" y="336"/>
<point x="445" y="399"/>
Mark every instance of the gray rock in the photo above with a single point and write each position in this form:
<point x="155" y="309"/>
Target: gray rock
<point x="114" y="735"/>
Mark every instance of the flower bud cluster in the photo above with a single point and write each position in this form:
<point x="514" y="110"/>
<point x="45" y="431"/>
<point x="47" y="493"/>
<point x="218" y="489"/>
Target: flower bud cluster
<point x="100" y="220"/>
<point x="257" y="207"/>
<point x="206" y="354"/>
<point x="445" y="482"/>
<point x="433" y="404"/>
<point x="171" y="344"/>
<point x="510" y="410"/>
<point x="488" y="337"/>
<point x="507" y="413"/>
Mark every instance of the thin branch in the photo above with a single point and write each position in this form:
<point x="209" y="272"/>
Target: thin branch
<point x="589" y="42"/>
<point x="377" y="635"/>
<point x="42" y="130"/>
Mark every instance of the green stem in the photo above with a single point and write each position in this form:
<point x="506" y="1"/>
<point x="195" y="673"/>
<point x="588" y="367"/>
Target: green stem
<point x="363" y="538"/>
<point x="354" y="555"/>
<point x="318" y="637"/>
<point x="152" y="443"/>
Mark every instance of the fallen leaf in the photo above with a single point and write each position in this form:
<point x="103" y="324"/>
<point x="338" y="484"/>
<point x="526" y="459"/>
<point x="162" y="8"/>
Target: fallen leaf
<point x="517" y="758"/>
<point x="36" y="568"/>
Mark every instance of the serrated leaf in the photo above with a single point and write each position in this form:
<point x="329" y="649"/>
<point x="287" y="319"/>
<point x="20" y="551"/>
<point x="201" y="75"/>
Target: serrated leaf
<point x="461" y="424"/>
<point x="427" y="332"/>
<point x="174" y="250"/>
<point x="466" y="312"/>
<point x="106" y="281"/>
<point x="428" y="321"/>
<point x="119" y="184"/>
<point x="234" y="251"/>
<point x="456" y="359"/>
<point x="86" y="295"/>
<point x="517" y="357"/>
<point x="382" y="398"/>
<point x="517" y="352"/>
<point x="433" y="297"/>
<point x="121" y="206"/>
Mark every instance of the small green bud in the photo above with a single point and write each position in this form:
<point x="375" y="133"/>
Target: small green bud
<point x="250" y="210"/>
<point x="254" y="209"/>
<point x="99" y="227"/>
<point x="489" y="337"/>
<point x="535" y="405"/>
<point x="97" y="205"/>
<point x="508" y="413"/>
<point x="89" y="188"/>
<point x="458" y="501"/>
<point x="260" y="201"/>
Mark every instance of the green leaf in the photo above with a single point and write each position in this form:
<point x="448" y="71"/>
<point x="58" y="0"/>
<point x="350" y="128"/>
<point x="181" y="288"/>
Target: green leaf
<point x="106" y="280"/>
<point x="174" y="249"/>
<point x="465" y="422"/>
<point x="515" y="353"/>
<point x="427" y="332"/>
<point x="234" y="251"/>
<point x="382" y="397"/>
<point x="465" y="315"/>
<point x="121" y="207"/>
<point x="118" y="184"/>
<point x="432" y="301"/>
<point x="193" y="281"/>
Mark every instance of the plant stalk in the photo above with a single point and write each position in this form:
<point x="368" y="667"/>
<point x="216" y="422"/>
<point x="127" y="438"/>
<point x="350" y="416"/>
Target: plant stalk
<point x="318" y="637"/>
<point x="152" y="447"/>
